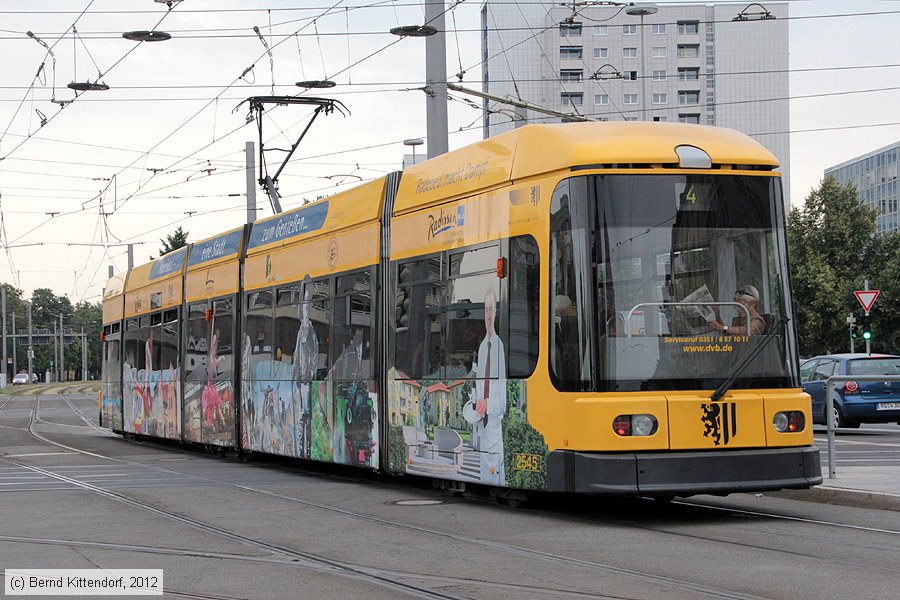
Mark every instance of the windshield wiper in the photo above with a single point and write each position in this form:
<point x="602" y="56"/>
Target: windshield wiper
<point x="726" y="385"/>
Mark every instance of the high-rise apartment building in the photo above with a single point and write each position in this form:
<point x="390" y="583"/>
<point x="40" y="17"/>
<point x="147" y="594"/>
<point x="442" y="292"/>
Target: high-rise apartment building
<point x="875" y="176"/>
<point x="689" y="63"/>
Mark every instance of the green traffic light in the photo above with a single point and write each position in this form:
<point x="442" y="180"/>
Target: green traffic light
<point x="867" y="335"/>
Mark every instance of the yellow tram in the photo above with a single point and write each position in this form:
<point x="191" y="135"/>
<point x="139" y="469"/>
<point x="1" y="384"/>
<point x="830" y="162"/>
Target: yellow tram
<point x="586" y="307"/>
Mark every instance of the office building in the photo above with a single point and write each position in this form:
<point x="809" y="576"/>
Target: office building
<point x="689" y="63"/>
<point x="875" y="176"/>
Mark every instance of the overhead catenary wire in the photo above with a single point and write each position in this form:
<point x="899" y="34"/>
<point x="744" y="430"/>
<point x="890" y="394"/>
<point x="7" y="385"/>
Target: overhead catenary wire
<point x="347" y="151"/>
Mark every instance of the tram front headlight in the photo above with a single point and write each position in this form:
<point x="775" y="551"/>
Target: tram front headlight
<point x="790" y="421"/>
<point x="635" y="425"/>
<point x="644" y="425"/>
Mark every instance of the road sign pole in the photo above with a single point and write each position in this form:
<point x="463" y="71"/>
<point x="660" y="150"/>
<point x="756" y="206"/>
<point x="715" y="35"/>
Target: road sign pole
<point x="868" y="339"/>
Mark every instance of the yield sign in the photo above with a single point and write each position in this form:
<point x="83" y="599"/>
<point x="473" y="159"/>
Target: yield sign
<point x="867" y="298"/>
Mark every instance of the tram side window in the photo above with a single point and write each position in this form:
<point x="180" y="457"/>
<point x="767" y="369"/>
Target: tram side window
<point x="195" y="337"/>
<point x="419" y="320"/>
<point x="259" y="324"/>
<point x="223" y="328"/>
<point x="133" y="352"/>
<point x="352" y="337"/>
<point x="570" y="360"/>
<point x="287" y="322"/>
<point x="317" y="301"/>
<point x="168" y="342"/>
<point x="472" y="284"/>
<point x="112" y="373"/>
<point x="524" y="303"/>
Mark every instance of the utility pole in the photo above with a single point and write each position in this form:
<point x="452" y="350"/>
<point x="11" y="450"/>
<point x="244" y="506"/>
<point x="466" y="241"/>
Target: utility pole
<point x="3" y="365"/>
<point x="30" y="347"/>
<point x="84" y="373"/>
<point x="130" y="256"/>
<point x="62" y="350"/>
<point x="15" y="342"/>
<point x="250" y="150"/>
<point x="436" y="80"/>
<point x="55" y="351"/>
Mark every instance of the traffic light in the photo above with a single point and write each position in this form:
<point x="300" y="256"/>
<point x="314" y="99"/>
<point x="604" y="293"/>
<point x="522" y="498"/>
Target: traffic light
<point x="854" y="331"/>
<point x="866" y="328"/>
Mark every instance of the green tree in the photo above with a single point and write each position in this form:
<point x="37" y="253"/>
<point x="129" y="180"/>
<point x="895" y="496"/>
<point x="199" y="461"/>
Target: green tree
<point x="833" y="248"/>
<point x="173" y="241"/>
<point x="88" y="317"/>
<point x="15" y="307"/>
<point x="883" y="257"/>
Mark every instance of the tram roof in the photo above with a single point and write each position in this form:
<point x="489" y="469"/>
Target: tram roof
<point x="156" y="270"/>
<point x="215" y="249"/>
<point x="536" y="149"/>
<point x="115" y="286"/>
<point x="361" y="204"/>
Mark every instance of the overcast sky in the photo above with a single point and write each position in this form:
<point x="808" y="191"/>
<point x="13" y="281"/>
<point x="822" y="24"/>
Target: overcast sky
<point x="164" y="146"/>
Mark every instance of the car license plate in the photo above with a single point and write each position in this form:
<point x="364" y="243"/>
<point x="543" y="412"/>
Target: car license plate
<point x="889" y="406"/>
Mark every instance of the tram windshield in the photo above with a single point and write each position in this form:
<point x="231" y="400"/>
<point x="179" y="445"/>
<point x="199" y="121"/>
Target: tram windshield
<point x="668" y="282"/>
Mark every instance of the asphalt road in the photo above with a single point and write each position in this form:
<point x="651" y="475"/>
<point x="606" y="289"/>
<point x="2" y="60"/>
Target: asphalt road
<point x="871" y="445"/>
<point x="72" y="496"/>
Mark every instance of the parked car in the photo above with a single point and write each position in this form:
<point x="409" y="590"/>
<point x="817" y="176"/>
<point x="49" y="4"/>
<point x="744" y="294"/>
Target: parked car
<point x="20" y="379"/>
<point x="855" y="402"/>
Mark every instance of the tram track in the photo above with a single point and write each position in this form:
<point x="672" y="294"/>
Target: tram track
<point x="512" y="549"/>
<point x="609" y="569"/>
<point x="314" y="561"/>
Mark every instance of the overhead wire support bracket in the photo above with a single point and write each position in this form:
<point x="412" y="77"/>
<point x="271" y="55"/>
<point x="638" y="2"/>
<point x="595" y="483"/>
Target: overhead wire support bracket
<point x="257" y="107"/>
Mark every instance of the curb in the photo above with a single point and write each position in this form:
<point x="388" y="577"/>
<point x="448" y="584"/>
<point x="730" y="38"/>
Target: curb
<point x="843" y="497"/>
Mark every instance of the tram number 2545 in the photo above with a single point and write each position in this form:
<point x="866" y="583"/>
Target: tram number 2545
<point x="527" y="462"/>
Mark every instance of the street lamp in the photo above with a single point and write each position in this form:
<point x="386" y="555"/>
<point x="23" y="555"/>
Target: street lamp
<point x="641" y="9"/>
<point x="413" y="142"/>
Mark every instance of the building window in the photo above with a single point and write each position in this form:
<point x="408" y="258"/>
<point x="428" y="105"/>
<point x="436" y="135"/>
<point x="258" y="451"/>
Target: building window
<point x="688" y="27"/>
<point x="631" y="98"/>
<point x="689" y="97"/>
<point x="631" y="118"/>
<point x="659" y="52"/>
<point x="629" y="75"/>
<point x="601" y="52"/>
<point x="689" y="118"/>
<point x="601" y="99"/>
<point x="570" y="52"/>
<point x="658" y="28"/>
<point x="659" y="75"/>
<point x="570" y="29"/>
<point x="601" y="30"/>
<point x="629" y="29"/>
<point x="629" y="52"/>
<point x="660" y="98"/>
<point x="688" y="73"/>
<point x="571" y="74"/>
<point x="660" y="119"/>
<point x="571" y="98"/>
<point x="688" y="50"/>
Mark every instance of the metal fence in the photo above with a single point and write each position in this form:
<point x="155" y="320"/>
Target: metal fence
<point x="829" y="410"/>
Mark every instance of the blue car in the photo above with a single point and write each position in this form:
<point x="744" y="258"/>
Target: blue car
<point x="854" y="402"/>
